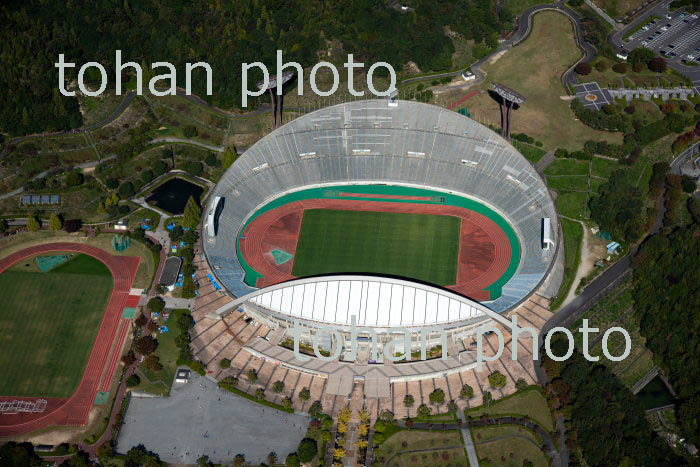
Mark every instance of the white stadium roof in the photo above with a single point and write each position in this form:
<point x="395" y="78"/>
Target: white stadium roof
<point x="374" y="301"/>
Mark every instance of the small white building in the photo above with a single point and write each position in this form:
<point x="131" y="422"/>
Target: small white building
<point x="468" y="76"/>
<point x="121" y="225"/>
<point x="182" y="376"/>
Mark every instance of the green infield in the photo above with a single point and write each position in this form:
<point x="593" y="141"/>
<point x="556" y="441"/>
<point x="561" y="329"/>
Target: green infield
<point x="49" y="321"/>
<point x="419" y="246"/>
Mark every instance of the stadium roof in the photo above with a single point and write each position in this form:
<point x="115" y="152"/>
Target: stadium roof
<point x="372" y="300"/>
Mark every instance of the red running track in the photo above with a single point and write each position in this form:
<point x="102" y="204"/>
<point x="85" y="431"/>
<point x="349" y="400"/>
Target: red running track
<point x="75" y="409"/>
<point x="484" y="252"/>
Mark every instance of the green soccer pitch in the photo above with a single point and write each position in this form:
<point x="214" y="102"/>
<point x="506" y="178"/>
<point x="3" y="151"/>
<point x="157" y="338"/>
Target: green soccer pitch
<point x="49" y="321"/>
<point x="418" y="246"/>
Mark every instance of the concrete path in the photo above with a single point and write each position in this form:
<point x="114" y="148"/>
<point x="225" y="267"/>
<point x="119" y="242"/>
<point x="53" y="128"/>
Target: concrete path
<point x="468" y="441"/>
<point x="188" y="141"/>
<point x="543" y="163"/>
<point x="602" y="14"/>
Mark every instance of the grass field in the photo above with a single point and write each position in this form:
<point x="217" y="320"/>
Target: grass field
<point x="534" y="69"/>
<point x="507" y="446"/>
<point x="573" y="237"/>
<point x="424" y="247"/>
<point x="422" y="448"/>
<point x="527" y="403"/>
<point x="48" y="323"/>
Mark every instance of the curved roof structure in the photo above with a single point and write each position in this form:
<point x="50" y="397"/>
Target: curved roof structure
<point x="365" y="142"/>
<point x="372" y="301"/>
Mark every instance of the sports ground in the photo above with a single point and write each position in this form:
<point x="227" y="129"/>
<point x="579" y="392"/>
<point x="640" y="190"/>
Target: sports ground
<point x="421" y="234"/>
<point x="63" y="332"/>
<point x="49" y="334"/>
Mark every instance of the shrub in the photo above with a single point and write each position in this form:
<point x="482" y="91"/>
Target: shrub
<point x="126" y="190"/>
<point x="194" y="167"/>
<point x="630" y="109"/>
<point x="583" y="69"/>
<point x="146" y="345"/>
<point x="307" y="450"/>
<point x="424" y="411"/>
<point x="152" y="362"/>
<point x="620" y="68"/>
<point x="278" y="387"/>
<point x="74" y="178"/>
<point x="225" y="363"/>
<point x="688" y="184"/>
<point x="252" y="376"/>
<point x="521" y="384"/>
<point x="156" y="304"/>
<point x="497" y="379"/>
<point x="72" y="225"/>
<point x="437" y="397"/>
<point x="292" y="460"/>
<point x="315" y="409"/>
<point x="467" y="392"/>
<point x="190" y="131"/>
<point x="305" y="394"/>
<point x="408" y="400"/>
<point x="601" y="66"/>
<point x="112" y="183"/>
<point x="658" y="64"/>
<point x="133" y="380"/>
<point x="260" y="393"/>
<point x="228" y="383"/>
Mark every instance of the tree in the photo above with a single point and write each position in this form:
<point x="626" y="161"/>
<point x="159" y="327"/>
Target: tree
<point x="272" y="458"/>
<point x="658" y="65"/>
<point x="192" y="214"/>
<point x="156" y="304"/>
<point x="252" y="376"/>
<point x="141" y="321"/>
<point x="133" y="380"/>
<point x="146" y="345"/>
<point x="521" y="384"/>
<point x="316" y="409"/>
<point x="260" y="393"/>
<point x="497" y="379"/>
<point x="239" y="460"/>
<point x="211" y="160"/>
<point x="147" y="176"/>
<point x="641" y="55"/>
<point x="229" y="383"/>
<point x="3" y="225"/>
<point x="129" y="358"/>
<point x="305" y="394"/>
<point x="452" y="407"/>
<point x="74" y="179"/>
<point x="229" y="157"/>
<point x="292" y="460"/>
<point x="126" y="190"/>
<point x="620" y="207"/>
<point x="55" y="221"/>
<point x="190" y="131"/>
<point x="278" y="387"/>
<point x="488" y="398"/>
<point x="307" y="450"/>
<point x="72" y="225"/>
<point x="287" y="402"/>
<point x="408" y="400"/>
<point x="33" y="224"/>
<point x="467" y="392"/>
<point x="194" y="167"/>
<point x="424" y="411"/>
<point x="583" y="68"/>
<point x="620" y="68"/>
<point x="204" y="462"/>
<point x="437" y="397"/>
<point x="225" y="363"/>
<point x="159" y="168"/>
<point x="152" y="362"/>
<point x="112" y="183"/>
<point x="688" y="184"/>
<point x="12" y="453"/>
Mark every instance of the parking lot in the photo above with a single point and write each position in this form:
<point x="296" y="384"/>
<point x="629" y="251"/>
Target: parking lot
<point x="675" y="36"/>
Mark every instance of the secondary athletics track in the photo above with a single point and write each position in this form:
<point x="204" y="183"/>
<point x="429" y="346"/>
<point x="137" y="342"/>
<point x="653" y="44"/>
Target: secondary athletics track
<point x="106" y="350"/>
<point x="484" y="253"/>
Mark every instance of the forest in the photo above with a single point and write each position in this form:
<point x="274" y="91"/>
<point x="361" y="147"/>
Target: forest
<point x="605" y="420"/>
<point x="667" y="301"/>
<point x="224" y="34"/>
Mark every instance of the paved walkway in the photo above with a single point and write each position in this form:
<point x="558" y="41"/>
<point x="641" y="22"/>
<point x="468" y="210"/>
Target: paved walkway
<point x="468" y="441"/>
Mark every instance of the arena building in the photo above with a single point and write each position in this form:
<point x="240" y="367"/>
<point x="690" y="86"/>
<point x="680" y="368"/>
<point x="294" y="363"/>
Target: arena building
<point x="388" y="213"/>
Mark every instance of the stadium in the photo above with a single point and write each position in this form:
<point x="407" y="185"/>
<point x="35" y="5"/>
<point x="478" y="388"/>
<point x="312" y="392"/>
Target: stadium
<point x="380" y="213"/>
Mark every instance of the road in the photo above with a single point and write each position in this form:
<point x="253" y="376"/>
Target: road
<point x="188" y="141"/>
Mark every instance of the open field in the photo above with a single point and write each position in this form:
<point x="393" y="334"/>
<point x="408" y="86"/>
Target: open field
<point x="508" y="446"/>
<point x="434" y="445"/>
<point x="527" y="403"/>
<point x="424" y="247"/>
<point x="534" y="69"/>
<point x="49" y="322"/>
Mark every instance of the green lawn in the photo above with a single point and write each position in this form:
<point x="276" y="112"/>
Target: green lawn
<point x="422" y="448"/>
<point x="49" y="322"/>
<point x="603" y="167"/>
<point x="507" y="445"/>
<point x="561" y="183"/>
<point x="572" y="204"/>
<point x="526" y="403"/>
<point x="424" y="247"/>
<point x="159" y="382"/>
<point x="567" y="167"/>
<point x="573" y="236"/>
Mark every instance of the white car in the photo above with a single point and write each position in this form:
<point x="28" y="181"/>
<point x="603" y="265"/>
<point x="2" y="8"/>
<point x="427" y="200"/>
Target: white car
<point x="644" y="28"/>
<point x="644" y="42"/>
<point x="668" y="16"/>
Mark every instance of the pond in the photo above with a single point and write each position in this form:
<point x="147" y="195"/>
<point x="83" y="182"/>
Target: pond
<point x="172" y="195"/>
<point x="655" y="394"/>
